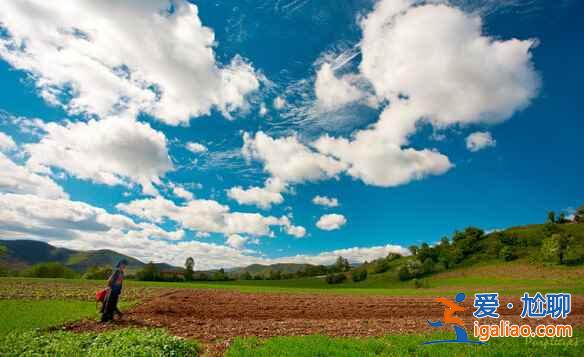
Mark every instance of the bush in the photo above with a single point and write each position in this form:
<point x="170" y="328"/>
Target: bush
<point x="97" y="273"/>
<point x="148" y="273"/>
<point x="335" y="278"/>
<point x="381" y="266"/>
<point x="411" y="269"/>
<point x="50" y="270"/>
<point x="420" y="283"/>
<point x="359" y="275"/>
<point x="428" y="266"/>
<point x="506" y="253"/>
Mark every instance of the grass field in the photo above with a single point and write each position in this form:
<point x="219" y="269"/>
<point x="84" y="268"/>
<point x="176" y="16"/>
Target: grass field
<point x="401" y="345"/>
<point x="19" y="315"/>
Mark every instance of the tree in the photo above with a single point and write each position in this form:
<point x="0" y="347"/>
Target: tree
<point x="245" y="276"/>
<point x="275" y="275"/>
<point x="380" y="266"/>
<point x="411" y="269"/>
<point x="413" y="249"/>
<point x="220" y="275"/>
<point x="428" y="266"/>
<point x="562" y="218"/>
<point x="149" y="273"/>
<point x="391" y="257"/>
<point x="342" y="264"/>
<point x="551" y="217"/>
<point x="97" y="273"/>
<point x="189" y="268"/>
<point x="506" y="253"/>
<point x="359" y="275"/>
<point x="335" y="278"/>
<point x="49" y="270"/>
<point x="579" y="215"/>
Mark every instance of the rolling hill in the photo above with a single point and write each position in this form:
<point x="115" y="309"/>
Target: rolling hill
<point x="259" y="269"/>
<point x="20" y="254"/>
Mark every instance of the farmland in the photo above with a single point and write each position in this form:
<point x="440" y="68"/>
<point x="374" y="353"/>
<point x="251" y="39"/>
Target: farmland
<point x="302" y="317"/>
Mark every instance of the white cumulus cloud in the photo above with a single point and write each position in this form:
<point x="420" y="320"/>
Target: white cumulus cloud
<point x="111" y="151"/>
<point x="445" y="74"/>
<point x="101" y="57"/>
<point x="6" y="143"/>
<point x="259" y="196"/>
<point x="480" y="140"/>
<point x="21" y="180"/>
<point x="331" y="222"/>
<point x="325" y="201"/>
<point x="236" y="241"/>
<point x="205" y="216"/>
<point x="333" y="92"/>
<point x="196" y="147"/>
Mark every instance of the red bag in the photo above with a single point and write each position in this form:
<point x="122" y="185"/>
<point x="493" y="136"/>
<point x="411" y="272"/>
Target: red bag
<point x="100" y="295"/>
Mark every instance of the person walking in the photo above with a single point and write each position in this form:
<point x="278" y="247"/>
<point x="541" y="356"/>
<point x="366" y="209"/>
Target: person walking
<point x="114" y="283"/>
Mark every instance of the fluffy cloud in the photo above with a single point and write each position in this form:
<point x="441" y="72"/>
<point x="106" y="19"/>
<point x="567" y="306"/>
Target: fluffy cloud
<point x="450" y="74"/>
<point x="50" y="218"/>
<point x="333" y="92"/>
<point x="354" y="255"/>
<point x="288" y="160"/>
<point x="111" y="151"/>
<point x="20" y="179"/>
<point x="205" y="216"/>
<point x="479" y="140"/>
<point x="196" y="147"/>
<point x="104" y="56"/>
<point x="259" y="196"/>
<point x="181" y="192"/>
<point x="330" y="222"/>
<point x="236" y="241"/>
<point x="6" y="143"/>
<point x="325" y="201"/>
<point x="453" y="72"/>
<point x="279" y="103"/>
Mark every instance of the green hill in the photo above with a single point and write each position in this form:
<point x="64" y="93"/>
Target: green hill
<point x="545" y="246"/>
<point x="21" y="254"/>
<point x="264" y="270"/>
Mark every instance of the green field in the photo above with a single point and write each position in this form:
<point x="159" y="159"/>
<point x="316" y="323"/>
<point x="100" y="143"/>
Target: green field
<point x="19" y="315"/>
<point x="402" y="345"/>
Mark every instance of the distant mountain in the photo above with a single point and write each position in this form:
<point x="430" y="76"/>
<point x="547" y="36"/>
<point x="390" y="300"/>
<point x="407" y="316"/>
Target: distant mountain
<point x="259" y="269"/>
<point x="20" y="254"/>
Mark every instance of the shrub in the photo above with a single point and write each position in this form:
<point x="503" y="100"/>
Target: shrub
<point x="97" y="273"/>
<point x="411" y="269"/>
<point x="359" y="275"/>
<point x="506" y="253"/>
<point x="428" y="266"/>
<point x="420" y="283"/>
<point x="50" y="270"/>
<point x="148" y="273"/>
<point x="335" y="278"/>
<point x="381" y="266"/>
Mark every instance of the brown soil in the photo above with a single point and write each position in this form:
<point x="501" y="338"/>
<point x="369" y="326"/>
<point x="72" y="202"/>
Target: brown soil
<point x="217" y="316"/>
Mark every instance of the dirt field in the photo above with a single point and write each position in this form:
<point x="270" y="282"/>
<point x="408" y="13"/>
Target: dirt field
<point x="216" y="316"/>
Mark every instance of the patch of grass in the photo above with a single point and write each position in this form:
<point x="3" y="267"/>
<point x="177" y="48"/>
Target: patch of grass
<point x="124" y="342"/>
<point x="22" y="315"/>
<point x="402" y="345"/>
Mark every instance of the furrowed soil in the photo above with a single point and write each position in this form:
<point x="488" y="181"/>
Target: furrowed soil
<point x="216" y="316"/>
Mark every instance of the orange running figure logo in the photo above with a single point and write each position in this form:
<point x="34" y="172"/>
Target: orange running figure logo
<point x="450" y="309"/>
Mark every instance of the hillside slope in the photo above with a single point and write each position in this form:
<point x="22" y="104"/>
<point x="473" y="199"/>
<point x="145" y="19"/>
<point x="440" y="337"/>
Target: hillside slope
<point x="20" y="254"/>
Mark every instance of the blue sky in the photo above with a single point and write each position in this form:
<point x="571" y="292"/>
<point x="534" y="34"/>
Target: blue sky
<point x="209" y="128"/>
